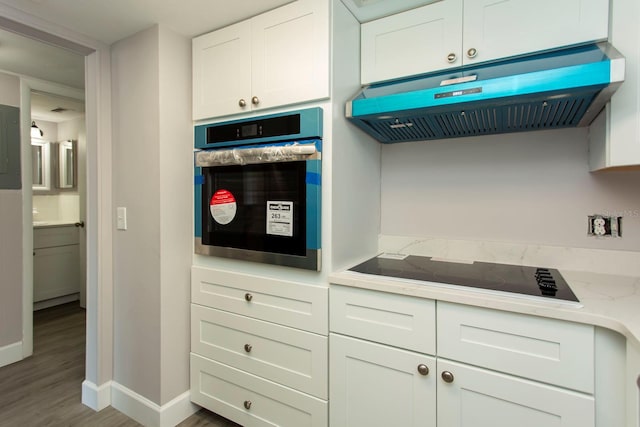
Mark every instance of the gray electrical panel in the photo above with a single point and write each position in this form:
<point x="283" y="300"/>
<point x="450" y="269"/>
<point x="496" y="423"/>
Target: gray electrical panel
<point x="9" y="148"/>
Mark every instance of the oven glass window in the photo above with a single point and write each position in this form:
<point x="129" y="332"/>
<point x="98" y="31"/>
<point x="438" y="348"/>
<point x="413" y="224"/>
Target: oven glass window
<point x="258" y="207"/>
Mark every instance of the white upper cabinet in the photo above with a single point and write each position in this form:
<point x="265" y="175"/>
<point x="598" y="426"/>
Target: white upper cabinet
<point x="614" y="136"/>
<point x="427" y="38"/>
<point x="498" y="29"/>
<point x="451" y="33"/>
<point x="278" y="58"/>
<point x="222" y="71"/>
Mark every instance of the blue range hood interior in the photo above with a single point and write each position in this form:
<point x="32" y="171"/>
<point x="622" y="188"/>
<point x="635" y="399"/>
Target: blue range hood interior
<point x="549" y="91"/>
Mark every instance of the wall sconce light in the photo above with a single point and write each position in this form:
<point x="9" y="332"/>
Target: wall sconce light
<point x="36" y="132"/>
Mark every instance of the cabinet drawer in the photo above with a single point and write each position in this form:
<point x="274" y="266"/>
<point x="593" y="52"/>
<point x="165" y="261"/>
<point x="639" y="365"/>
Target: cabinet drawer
<point x="547" y="350"/>
<point x="228" y="391"/>
<point x="397" y="320"/>
<point x="286" y="303"/>
<point x="285" y="355"/>
<point x="55" y="236"/>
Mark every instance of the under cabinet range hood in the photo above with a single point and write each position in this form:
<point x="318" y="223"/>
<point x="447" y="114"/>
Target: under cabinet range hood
<point x="554" y="90"/>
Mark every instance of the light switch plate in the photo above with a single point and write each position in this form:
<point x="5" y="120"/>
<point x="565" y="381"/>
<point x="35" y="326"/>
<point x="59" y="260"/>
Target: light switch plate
<point x="121" y="218"/>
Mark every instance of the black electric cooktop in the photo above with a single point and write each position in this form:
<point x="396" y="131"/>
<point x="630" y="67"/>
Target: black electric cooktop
<point x="533" y="281"/>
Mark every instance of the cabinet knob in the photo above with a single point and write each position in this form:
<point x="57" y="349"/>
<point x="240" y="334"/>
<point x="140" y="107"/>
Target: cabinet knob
<point x="248" y="296"/>
<point x="451" y="58"/>
<point x="247" y="348"/>
<point x="247" y="404"/>
<point x="242" y="103"/>
<point x="423" y="369"/>
<point x="471" y="53"/>
<point x="447" y="376"/>
<point x="255" y="100"/>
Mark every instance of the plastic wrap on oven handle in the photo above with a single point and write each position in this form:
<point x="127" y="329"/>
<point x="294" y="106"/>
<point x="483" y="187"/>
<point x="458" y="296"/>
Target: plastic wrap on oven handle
<point x="242" y="156"/>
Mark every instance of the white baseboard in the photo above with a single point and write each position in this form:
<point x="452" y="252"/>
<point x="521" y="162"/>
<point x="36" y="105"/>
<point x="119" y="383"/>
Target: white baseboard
<point x="55" y="301"/>
<point x="96" y="398"/>
<point x="149" y="413"/>
<point x="10" y="353"/>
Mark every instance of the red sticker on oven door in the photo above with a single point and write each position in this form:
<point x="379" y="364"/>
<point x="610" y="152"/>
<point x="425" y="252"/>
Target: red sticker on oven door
<point x="223" y="207"/>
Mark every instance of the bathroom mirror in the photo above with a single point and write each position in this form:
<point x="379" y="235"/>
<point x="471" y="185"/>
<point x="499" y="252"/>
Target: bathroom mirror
<point x="67" y="165"/>
<point x="41" y="162"/>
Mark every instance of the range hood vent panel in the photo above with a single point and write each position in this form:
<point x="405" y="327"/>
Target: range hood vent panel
<point x="498" y="104"/>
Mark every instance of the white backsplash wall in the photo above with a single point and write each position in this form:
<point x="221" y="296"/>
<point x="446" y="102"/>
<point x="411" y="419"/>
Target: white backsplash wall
<point x="532" y="187"/>
<point x="59" y="207"/>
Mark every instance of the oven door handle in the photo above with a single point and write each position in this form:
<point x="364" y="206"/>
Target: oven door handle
<point x="252" y="155"/>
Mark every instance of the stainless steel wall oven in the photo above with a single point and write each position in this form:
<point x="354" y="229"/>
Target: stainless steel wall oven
<point x="258" y="189"/>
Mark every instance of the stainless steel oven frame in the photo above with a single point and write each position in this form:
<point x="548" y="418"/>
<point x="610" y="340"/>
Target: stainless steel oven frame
<point x="303" y="145"/>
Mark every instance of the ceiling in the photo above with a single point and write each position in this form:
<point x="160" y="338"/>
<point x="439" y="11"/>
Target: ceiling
<point x="107" y="22"/>
<point x="112" y="20"/>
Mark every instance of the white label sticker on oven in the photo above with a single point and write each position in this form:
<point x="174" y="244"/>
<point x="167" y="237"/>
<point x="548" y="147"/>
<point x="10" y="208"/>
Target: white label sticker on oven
<point x="280" y="218"/>
<point x="223" y="207"/>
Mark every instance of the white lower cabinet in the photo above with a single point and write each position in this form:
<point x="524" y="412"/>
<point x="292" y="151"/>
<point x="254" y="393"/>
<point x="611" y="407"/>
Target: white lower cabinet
<point x="490" y="368"/>
<point x="473" y="397"/>
<point x="259" y="349"/>
<point x="250" y="400"/>
<point x="376" y="385"/>
<point x="56" y="262"/>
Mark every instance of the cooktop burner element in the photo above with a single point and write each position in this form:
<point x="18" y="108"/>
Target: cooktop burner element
<point x="539" y="282"/>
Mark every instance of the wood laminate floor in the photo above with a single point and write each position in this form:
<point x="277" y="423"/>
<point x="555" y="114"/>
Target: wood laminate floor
<point x="45" y="389"/>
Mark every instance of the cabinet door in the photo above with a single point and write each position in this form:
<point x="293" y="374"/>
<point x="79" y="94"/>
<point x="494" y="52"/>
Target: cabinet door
<point x="413" y="42"/>
<point x="376" y="385"/>
<point x="502" y="28"/>
<point x="614" y="136"/>
<point x="56" y="272"/>
<point x="222" y="71"/>
<point x="290" y="60"/>
<point x="481" y="398"/>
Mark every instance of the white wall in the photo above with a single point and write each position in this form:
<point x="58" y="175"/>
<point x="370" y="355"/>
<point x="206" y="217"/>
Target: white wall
<point x="135" y="105"/>
<point x="153" y="140"/>
<point x="10" y="240"/>
<point x="176" y="211"/>
<point x="526" y="188"/>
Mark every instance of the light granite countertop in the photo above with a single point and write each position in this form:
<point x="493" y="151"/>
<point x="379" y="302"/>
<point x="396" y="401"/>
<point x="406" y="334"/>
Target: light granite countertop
<point x="606" y="300"/>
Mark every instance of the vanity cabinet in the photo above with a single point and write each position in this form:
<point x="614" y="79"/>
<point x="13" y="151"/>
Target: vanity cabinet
<point x="278" y="58"/>
<point x="453" y="33"/>
<point x="56" y="262"/>
<point x="259" y="349"/>
<point x="485" y="367"/>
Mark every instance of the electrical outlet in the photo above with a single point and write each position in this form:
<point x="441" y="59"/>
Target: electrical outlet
<point x="603" y="225"/>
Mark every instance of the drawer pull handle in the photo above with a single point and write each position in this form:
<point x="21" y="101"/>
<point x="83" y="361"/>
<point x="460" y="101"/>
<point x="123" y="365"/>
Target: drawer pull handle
<point x="247" y="404"/>
<point x="472" y="53"/>
<point x="248" y="296"/>
<point x="247" y="348"/>
<point x="242" y="103"/>
<point x="451" y="58"/>
<point x="255" y="100"/>
<point x="447" y="376"/>
<point x="423" y="369"/>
